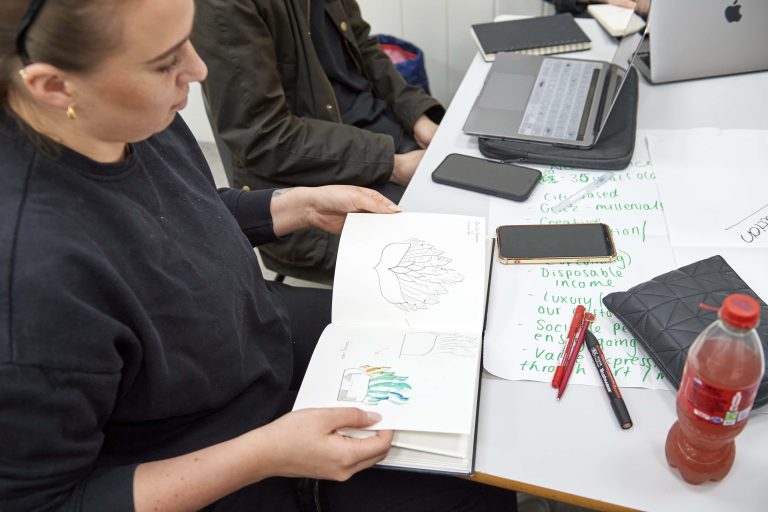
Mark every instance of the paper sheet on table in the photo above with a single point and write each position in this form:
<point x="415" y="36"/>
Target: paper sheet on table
<point x="713" y="185"/>
<point x="525" y="340"/>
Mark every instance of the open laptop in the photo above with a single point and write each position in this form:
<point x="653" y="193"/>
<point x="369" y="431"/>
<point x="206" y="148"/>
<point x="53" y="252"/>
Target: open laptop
<point x="553" y="100"/>
<point x="701" y="38"/>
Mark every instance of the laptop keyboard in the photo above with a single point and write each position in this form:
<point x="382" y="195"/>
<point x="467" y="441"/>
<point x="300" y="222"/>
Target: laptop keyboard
<point x="556" y="108"/>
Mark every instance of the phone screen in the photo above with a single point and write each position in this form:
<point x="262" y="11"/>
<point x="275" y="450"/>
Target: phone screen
<point x="503" y="180"/>
<point x="553" y="243"/>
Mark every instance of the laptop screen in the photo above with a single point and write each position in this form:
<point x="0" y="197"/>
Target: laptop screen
<point x="622" y="60"/>
<point x="521" y="100"/>
<point x="702" y="38"/>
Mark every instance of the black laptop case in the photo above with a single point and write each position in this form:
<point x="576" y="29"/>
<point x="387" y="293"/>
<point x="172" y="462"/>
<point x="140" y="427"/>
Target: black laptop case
<point x="613" y="149"/>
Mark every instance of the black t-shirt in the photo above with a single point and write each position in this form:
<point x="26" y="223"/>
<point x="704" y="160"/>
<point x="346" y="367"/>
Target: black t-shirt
<point x="134" y="320"/>
<point x="572" y="6"/>
<point x="358" y="105"/>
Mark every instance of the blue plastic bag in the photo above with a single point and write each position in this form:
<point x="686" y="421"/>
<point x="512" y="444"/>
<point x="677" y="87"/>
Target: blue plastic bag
<point x="408" y="60"/>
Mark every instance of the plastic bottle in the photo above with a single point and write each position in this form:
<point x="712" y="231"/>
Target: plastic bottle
<point x="723" y="370"/>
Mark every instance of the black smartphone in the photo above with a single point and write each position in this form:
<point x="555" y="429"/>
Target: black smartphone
<point x="555" y="243"/>
<point x="493" y="178"/>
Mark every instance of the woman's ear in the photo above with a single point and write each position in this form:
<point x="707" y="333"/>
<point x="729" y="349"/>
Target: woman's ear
<point x="47" y="85"/>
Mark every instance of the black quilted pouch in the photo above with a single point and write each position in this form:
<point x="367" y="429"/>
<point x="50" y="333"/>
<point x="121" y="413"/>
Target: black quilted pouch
<point x="664" y="314"/>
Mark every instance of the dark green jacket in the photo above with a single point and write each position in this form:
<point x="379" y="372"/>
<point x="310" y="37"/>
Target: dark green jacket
<point x="275" y="109"/>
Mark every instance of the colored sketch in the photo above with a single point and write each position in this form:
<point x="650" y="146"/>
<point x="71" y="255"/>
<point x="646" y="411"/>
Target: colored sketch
<point x="373" y="384"/>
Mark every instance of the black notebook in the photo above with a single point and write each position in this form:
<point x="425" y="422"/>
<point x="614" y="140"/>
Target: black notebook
<point x="542" y="35"/>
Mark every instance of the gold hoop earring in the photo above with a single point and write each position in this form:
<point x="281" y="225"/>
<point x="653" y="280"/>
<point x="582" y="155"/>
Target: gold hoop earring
<point x="71" y="114"/>
<point x="23" y="74"/>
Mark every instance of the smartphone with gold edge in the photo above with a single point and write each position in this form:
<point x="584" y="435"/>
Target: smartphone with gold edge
<point x="555" y="243"/>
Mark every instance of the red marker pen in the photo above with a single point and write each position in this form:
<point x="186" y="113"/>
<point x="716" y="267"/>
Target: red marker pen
<point x="578" y="317"/>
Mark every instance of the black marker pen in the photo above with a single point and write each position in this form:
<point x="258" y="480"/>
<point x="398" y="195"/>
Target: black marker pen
<point x="609" y="383"/>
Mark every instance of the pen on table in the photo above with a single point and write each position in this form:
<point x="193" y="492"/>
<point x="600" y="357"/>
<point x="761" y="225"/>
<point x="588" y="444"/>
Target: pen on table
<point x="576" y="196"/>
<point x="609" y="383"/>
<point x="578" y="316"/>
<point x="588" y="319"/>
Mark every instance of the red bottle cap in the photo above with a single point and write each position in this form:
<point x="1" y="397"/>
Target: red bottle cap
<point x="740" y="311"/>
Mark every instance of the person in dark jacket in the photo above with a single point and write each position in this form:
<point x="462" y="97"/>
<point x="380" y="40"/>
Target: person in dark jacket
<point x="144" y="362"/>
<point x="301" y="94"/>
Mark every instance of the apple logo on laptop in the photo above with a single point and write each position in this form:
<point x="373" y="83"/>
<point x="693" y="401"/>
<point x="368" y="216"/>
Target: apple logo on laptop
<point x="733" y="12"/>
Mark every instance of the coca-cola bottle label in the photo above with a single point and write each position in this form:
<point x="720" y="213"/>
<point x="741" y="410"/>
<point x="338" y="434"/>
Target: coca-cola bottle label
<point x="725" y="407"/>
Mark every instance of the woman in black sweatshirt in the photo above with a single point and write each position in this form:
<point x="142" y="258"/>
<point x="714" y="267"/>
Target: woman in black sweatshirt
<point x="144" y="362"/>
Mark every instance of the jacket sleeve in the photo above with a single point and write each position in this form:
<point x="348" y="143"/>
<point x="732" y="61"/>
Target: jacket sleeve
<point x="252" y="115"/>
<point x="252" y="212"/>
<point x="407" y="101"/>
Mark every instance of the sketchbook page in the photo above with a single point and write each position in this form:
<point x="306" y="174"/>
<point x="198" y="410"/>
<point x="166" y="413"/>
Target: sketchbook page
<point x="418" y="380"/>
<point x="431" y="462"/>
<point x="450" y="445"/>
<point x="411" y="270"/>
<point x="446" y="453"/>
<point x="712" y="183"/>
<point x="429" y="451"/>
<point x="525" y="340"/>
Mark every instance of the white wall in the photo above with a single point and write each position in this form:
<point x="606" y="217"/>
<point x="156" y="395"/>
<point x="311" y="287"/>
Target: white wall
<point x="439" y="27"/>
<point x="194" y="114"/>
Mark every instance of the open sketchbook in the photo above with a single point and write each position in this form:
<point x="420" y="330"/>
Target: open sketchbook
<point x="405" y="339"/>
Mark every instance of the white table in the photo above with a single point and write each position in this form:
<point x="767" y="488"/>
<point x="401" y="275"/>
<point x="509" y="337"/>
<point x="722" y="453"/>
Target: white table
<point x="522" y="440"/>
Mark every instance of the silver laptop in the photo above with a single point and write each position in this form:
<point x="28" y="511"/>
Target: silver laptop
<point x="553" y="100"/>
<point x="701" y="38"/>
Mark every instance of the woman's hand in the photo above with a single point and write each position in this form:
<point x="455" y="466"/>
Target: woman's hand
<point x="304" y="443"/>
<point x="300" y="444"/>
<point x="325" y="208"/>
